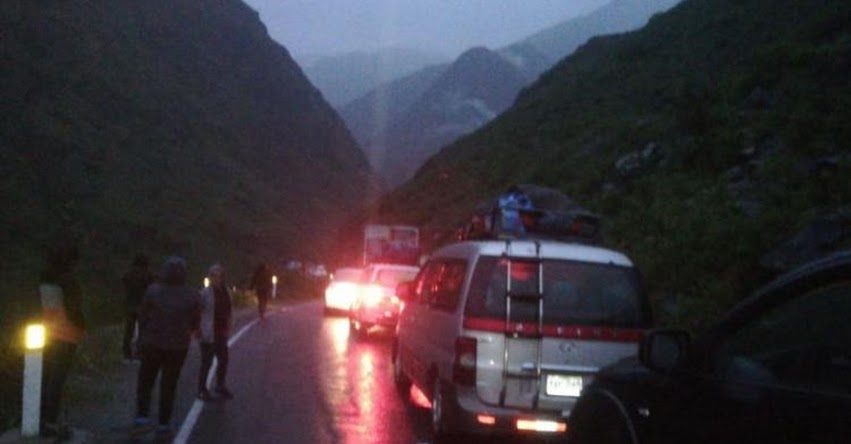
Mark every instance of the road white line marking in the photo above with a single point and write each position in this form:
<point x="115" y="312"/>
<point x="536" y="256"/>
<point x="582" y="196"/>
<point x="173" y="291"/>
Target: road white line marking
<point x="194" y="412"/>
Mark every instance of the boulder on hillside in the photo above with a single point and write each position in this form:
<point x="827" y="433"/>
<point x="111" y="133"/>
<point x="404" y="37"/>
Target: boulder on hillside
<point x="819" y="238"/>
<point x="636" y="162"/>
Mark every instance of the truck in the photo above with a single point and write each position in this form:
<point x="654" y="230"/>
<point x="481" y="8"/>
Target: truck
<point x="391" y="244"/>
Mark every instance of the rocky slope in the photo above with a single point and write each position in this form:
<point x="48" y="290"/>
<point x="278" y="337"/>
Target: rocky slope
<point x="713" y="141"/>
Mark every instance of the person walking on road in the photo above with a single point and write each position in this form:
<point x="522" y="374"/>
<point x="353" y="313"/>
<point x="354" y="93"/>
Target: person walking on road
<point x="135" y="281"/>
<point x="168" y="315"/>
<point x="216" y="323"/>
<point x="261" y="283"/>
<point x="62" y="311"/>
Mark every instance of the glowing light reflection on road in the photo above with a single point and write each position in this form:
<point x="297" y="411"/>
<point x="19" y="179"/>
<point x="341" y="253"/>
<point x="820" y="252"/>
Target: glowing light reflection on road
<point x="340" y="337"/>
<point x="363" y="375"/>
<point x="357" y="386"/>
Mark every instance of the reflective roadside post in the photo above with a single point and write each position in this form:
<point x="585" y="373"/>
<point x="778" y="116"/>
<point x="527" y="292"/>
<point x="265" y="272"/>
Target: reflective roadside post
<point x="274" y="286"/>
<point x="34" y="339"/>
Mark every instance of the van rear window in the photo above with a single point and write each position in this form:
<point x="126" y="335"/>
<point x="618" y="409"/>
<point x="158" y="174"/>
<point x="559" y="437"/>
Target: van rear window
<point x="574" y="293"/>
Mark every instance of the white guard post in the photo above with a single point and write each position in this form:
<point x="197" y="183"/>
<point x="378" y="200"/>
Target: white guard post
<point x="31" y="408"/>
<point x="274" y="287"/>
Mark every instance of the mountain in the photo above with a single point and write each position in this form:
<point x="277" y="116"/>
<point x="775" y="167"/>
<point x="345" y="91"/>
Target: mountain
<point x="617" y="16"/>
<point x="169" y="127"/>
<point x="398" y="139"/>
<point x="469" y="93"/>
<point x="389" y="99"/>
<point x="713" y="142"/>
<point x="345" y="77"/>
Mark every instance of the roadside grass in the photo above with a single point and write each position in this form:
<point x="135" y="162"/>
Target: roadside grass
<point x="96" y="366"/>
<point x="11" y="372"/>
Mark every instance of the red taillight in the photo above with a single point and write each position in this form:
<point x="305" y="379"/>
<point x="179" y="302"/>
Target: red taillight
<point x="418" y="397"/>
<point x="464" y="366"/>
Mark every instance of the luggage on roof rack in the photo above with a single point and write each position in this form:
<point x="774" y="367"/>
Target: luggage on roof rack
<point x="532" y="212"/>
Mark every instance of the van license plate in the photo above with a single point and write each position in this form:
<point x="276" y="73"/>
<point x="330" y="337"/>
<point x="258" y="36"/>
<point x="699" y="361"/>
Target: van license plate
<point x="563" y="385"/>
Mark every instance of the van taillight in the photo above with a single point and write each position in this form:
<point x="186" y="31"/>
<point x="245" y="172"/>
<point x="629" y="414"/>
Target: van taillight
<point x="464" y="366"/>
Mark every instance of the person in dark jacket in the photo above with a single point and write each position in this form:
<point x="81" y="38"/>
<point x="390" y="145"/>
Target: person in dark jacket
<point x="168" y="315"/>
<point x="62" y="310"/>
<point x="135" y="281"/>
<point x="216" y="322"/>
<point x="261" y="283"/>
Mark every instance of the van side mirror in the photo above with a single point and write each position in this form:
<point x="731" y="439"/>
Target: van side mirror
<point x="405" y="290"/>
<point x="661" y="350"/>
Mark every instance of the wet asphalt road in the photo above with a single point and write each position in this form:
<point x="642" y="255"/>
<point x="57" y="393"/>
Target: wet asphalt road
<point x="298" y="377"/>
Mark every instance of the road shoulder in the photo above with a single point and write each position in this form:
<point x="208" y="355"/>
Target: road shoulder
<point x="101" y="390"/>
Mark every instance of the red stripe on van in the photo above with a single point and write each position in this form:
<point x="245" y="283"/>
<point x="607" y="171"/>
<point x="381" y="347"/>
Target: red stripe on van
<point x="557" y="331"/>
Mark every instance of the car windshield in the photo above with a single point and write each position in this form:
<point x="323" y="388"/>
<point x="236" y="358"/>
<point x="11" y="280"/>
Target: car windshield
<point x="347" y="275"/>
<point x="391" y="277"/>
<point x="574" y="293"/>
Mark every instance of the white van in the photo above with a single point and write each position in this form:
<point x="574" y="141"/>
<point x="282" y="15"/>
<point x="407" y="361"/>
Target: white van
<point x="502" y="335"/>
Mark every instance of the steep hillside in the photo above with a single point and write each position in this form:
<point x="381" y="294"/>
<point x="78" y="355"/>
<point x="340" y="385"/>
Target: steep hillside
<point x="714" y="141"/>
<point x="398" y="140"/>
<point x="162" y="126"/>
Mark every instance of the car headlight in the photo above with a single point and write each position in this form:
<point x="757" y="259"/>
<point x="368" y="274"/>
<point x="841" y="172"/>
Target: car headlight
<point x="372" y="295"/>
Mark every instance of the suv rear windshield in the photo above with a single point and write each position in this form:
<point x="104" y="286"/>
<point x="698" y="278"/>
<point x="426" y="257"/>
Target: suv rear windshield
<point x="574" y="293"/>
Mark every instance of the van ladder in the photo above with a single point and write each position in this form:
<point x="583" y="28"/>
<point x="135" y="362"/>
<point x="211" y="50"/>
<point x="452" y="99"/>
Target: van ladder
<point x="512" y="333"/>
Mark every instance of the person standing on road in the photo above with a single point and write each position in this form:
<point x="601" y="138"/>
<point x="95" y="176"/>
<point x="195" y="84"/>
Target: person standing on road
<point x="135" y="281"/>
<point x="216" y="323"/>
<point x="168" y="315"/>
<point x="62" y="310"/>
<point x="261" y="283"/>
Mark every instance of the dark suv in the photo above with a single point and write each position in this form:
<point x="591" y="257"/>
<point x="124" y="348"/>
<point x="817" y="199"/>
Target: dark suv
<point x="777" y="369"/>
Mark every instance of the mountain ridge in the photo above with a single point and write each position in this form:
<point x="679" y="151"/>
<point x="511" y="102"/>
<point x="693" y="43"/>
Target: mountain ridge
<point x="345" y="77"/>
<point x="401" y="147"/>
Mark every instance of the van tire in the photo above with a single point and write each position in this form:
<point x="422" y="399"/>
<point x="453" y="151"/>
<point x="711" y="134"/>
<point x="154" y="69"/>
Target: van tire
<point x="402" y="382"/>
<point x="439" y="424"/>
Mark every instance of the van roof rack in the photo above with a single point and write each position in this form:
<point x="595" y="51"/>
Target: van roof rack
<point x="514" y="215"/>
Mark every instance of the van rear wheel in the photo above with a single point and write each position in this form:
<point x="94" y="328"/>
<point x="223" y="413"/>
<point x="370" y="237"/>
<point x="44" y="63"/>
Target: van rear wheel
<point x="403" y="384"/>
<point x="439" y="425"/>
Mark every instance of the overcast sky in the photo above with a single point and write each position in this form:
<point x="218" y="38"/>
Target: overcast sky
<point x="325" y="27"/>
